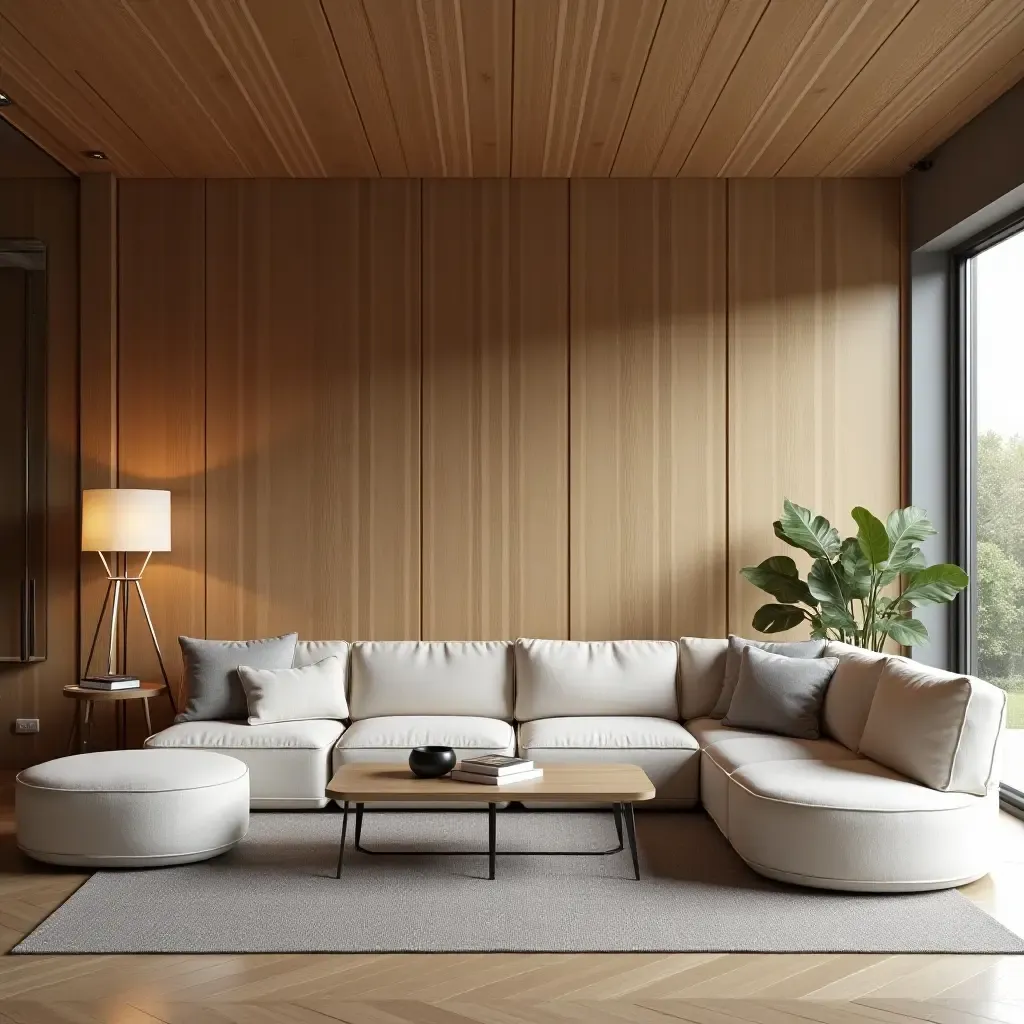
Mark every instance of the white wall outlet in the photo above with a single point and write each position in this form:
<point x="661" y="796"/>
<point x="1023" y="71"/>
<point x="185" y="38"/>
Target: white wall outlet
<point x="26" y="725"/>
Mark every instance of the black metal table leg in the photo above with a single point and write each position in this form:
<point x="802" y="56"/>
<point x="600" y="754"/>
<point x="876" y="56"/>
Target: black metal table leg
<point x="492" y="828"/>
<point x="344" y="829"/>
<point x="359" y="823"/>
<point x="617" y="808"/>
<point x="631" y="832"/>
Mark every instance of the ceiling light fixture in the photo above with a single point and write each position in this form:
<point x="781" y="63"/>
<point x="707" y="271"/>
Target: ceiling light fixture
<point x="5" y="100"/>
<point x="95" y="154"/>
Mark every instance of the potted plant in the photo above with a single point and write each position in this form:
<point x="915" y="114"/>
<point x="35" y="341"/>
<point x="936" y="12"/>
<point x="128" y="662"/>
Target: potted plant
<point x="843" y="596"/>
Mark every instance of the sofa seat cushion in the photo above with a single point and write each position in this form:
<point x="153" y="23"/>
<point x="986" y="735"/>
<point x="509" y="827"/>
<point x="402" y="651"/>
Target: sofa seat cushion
<point x="733" y="754"/>
<point x="854" y="824"/>
<point x="709" y="731"/>
<point x="396" y="735"/>
<point x="605" y="732"/>
<point x="316" y="734"/>
<point x="289" y="762"/>
<point x="665" y="750"/>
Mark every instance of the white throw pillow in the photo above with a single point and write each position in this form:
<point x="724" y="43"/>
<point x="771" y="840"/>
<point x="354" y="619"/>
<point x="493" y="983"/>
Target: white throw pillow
<point x="295" y="694"/>
<point x="935" y="727"/>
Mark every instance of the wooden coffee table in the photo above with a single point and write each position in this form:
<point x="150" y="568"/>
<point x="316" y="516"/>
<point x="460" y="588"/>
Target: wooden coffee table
<point x="620" y="785"/>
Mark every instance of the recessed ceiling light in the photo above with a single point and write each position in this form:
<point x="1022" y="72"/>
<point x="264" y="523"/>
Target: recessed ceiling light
<point x="95" y="154"/>
<point x="5" y="100"/>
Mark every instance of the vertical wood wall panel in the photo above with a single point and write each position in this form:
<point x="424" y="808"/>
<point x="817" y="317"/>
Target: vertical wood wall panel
<point x="647" y="398"/>
<point x="814" y="360"/>
<point x="162" y="399"/>
<point x="313" y="408"/>
<point x="47" y="209"/>
<point x="97" y="318"/>
<point x="495" y="472"/>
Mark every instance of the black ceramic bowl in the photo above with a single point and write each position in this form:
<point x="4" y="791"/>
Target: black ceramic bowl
<point x="431" y="762"/>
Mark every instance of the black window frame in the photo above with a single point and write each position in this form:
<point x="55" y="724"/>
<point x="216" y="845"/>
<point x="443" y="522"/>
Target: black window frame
<point x="963" y="426"/>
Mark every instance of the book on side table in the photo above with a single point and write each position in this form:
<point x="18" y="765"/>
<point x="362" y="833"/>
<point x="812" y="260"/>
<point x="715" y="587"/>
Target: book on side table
<point x="494" y="769"/>
<point x="110" y="682"/>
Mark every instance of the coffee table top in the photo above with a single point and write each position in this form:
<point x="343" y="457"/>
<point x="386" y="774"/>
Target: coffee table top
<point x="561" y="783"/>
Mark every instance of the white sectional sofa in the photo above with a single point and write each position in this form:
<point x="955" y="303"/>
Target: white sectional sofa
<point x="899" y="794"/>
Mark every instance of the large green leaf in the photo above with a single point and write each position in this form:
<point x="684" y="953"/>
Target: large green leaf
<point x="811" y="533"/>
<point x="936" y="584"/>
<point x="837" y="617"/>
<point x="912" y="563"/>
<point x="823" y="583"/>
<point x="904" y="631"/>
<point x="854" y="570"/>
<point x="776" y="618"/>
<point x="906" y="528"/>
<point x="778" y="576"/>
<point x="871" y="536"/>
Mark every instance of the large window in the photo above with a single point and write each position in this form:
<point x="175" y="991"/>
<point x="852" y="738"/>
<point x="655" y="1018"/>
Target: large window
<point x="992" y="292"/>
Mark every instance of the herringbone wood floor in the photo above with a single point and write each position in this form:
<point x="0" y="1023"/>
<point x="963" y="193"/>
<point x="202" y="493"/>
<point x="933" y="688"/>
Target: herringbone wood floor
<point x="502" y="989"/>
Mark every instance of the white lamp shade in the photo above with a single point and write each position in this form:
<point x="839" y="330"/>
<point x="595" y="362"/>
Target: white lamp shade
<point x="126" y="519"/>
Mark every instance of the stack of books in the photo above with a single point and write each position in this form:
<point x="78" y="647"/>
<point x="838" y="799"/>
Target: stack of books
<point x="495" y="770"/>
<point x="110" y="682"/>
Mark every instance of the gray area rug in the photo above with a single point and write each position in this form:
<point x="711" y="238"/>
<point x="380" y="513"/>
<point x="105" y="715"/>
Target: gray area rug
<point x="276" y="892"/>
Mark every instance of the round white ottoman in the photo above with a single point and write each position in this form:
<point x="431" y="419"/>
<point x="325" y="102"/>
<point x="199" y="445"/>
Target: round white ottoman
<point x="132" y="808"/>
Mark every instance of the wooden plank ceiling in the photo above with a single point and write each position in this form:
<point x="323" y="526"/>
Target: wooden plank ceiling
<point x="482" y="88"/>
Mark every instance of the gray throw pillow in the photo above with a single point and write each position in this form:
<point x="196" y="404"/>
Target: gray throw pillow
<point x="779" y="694"/>
<point x="793" y="649"/>
<point x="211" y="673"/>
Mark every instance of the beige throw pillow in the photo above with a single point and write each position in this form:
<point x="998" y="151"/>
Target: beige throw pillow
<point x="295" y="694"/>
<point x="851" y="692"/>
<point x="935" y="727"/>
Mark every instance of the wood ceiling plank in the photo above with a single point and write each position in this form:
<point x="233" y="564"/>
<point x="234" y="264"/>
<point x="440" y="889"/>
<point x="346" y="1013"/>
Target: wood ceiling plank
<point x="358" y="54"/>
<point x="781" y="36"/>
<point x="286" y="61"/>
<point x="1001" y="20"/>
<point x="918" y="39"/>
<point x="895" y="155"/>
<point x="577" y="69"/>
<point x="41" y="56"/>
<point x="195" y="41"/>
<point x="447" y="69"/>
<point x="832" y="57"/>
<point x="731" y="36"/>
<point x="685" y="30"/>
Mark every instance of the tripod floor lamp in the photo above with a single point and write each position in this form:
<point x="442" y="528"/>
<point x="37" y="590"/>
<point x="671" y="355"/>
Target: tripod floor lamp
<point x="123" y="521"/>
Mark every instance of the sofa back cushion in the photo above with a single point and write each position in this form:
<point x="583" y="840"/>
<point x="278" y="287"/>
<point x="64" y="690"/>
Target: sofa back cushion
<point x="312" y="652"/>
<point x="935" y="727"/>
<point x="565" y="678"/>
<point x="419" y="677"/>
<point x="849" y="695"/>
<point x="701" y="673"/>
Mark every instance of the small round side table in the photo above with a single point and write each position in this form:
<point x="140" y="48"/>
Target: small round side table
<point x="81" y="726"/>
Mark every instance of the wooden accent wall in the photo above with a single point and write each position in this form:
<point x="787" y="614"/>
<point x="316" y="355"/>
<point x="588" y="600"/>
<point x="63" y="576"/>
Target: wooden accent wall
<point x="458" y="409"/>
<point x="647" y="387"/>
<point x="163" y="398"/>
<point x="313" y="408"/>
<point x="814" y="360"/>
<point x="495" y="407"/>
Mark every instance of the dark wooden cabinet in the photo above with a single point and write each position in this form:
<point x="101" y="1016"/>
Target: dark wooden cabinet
<point x="22" y="450"/>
